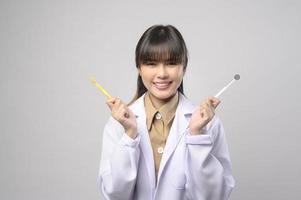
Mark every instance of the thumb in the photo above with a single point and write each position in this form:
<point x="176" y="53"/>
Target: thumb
<point x="110" y="103"/>
<point x="216" y="103"/>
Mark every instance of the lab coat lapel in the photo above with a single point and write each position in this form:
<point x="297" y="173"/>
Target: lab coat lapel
<point x="179" y="125"/>
<point x="145" y="144"/>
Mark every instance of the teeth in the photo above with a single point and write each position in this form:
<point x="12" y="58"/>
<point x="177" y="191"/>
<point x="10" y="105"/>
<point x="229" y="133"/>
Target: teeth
<point x="162" y="85"/>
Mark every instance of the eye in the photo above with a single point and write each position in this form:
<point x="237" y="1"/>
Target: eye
<point x="171" y="63"/>
<point x="150" y="64"/>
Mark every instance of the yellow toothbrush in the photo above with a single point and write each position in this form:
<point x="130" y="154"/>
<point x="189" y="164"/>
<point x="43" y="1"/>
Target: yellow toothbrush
<point x="93" y="81"/>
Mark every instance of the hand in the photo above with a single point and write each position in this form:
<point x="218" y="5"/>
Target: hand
<point x="124" y="116"/>
<point x="202" y="115"/>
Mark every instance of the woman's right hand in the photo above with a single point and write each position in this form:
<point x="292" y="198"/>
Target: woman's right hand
<point x="124" y="116"/>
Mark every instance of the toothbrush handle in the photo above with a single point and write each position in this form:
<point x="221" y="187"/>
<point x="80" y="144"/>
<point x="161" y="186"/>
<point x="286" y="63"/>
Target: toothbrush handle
<point x="224" y="88"/>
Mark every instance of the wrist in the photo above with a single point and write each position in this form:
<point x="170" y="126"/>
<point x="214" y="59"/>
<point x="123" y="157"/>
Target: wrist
<point x="196" y="131"/>
<point x="132" y="133"/>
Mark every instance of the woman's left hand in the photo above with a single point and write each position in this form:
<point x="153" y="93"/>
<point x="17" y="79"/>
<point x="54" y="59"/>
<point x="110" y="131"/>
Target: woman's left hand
<point x="202" y="115"/>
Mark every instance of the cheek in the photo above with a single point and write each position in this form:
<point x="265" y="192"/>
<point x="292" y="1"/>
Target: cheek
<point x="178" y="76"/>
<point x="178" y="79"/>
<point x="146" y="77"/>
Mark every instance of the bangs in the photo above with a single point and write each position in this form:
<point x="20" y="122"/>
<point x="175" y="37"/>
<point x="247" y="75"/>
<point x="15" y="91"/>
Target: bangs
<point x="161" y="53"/>
<point x="161" y="46"/>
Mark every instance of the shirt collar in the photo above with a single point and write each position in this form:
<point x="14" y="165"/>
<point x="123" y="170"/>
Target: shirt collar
<point x="167" y="111"/>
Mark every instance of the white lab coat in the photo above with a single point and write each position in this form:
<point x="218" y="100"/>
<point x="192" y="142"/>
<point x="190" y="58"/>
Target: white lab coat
<point x="192" y="167"/>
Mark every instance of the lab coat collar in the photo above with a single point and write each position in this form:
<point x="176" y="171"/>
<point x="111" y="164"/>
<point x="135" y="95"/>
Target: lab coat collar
<point x="177" y="130"/>
<point x="186" y="107"/>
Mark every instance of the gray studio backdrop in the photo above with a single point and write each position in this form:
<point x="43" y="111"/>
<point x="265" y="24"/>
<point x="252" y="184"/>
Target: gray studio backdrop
<point x="51" y="117"/>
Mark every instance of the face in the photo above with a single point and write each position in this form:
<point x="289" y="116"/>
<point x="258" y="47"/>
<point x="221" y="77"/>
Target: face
<point x="161" y="79"/>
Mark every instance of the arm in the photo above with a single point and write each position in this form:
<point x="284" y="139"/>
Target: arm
<point x="119" y="162"/>
<point x="209" y="170"/>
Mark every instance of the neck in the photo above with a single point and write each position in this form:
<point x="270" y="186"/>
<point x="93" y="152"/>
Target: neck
<point x="158" y="103"/>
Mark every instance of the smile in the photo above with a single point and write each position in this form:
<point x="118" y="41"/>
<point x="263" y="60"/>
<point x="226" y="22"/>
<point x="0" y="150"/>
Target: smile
<point x="162" y="85"/>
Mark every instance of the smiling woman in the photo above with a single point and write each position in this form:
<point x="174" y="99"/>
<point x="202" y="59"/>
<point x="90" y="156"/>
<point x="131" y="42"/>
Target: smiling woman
<point x="161" y="146"/>
<point x="161" y="49"/>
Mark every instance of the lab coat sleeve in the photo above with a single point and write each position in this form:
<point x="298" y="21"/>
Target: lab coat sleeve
<point x="119" y="162"/>
<point x="208" y="166"/>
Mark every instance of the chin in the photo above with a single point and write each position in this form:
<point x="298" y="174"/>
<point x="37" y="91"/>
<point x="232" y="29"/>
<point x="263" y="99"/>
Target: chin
<point x="163" y="94"/>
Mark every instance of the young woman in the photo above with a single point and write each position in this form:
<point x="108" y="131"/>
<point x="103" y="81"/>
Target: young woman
<point x="161" y="146"/>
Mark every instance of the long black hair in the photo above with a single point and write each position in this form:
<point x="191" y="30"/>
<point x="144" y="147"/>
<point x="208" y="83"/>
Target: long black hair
<point x="160" y="43"/>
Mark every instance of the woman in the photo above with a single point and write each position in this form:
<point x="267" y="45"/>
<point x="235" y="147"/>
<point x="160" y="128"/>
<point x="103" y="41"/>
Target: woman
<point x="161" y="146"/>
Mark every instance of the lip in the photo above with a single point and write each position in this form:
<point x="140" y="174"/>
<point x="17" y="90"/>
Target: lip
<point x="162" y="85"/>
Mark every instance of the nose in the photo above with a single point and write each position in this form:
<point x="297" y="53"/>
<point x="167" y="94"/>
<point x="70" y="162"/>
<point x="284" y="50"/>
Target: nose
<point x="161" y="71"/>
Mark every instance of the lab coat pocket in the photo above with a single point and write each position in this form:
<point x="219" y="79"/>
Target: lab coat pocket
<point x="178" y="181"/>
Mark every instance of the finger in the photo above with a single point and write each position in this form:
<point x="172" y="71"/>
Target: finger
<point x="126" y="115"/>
<point x="125" y="111"/>
<point x="204" y="104"/>
<point x="202" y="114"/>
<point x="110" y="104"/>
<point x="209" y="110"/>
<point x="117" y="101"/>
<point x="119" y="114"/>
<point x="202" y="110"/>
<point x="116" y="104"/>
<point x="122" y="112"/>
<point x="111" y="101"/>
<point x="211" y="107"/>
<point x="123" y="108"/>
<point x="206" y="115"/>
<point x="210" y="104"/>
<point x="119" y="110"/>
<point x="131" y="113"/>
<point x="207" y="105"/>
<point x="207" y="102"/>
<point x="215" y="104"/>
<point x="214" y="101"/>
